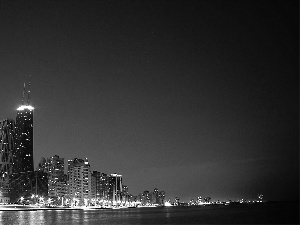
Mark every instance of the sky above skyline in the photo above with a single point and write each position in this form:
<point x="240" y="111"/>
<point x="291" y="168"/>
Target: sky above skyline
<point x="190" y="97"/>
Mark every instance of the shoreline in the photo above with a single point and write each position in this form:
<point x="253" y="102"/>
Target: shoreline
<point x="34" y="208"/>
<point x="13" y="207"/>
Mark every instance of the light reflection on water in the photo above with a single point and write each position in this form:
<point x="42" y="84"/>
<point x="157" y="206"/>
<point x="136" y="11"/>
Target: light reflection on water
<point x="261" y="214"/>
<point x="119" y="216"/>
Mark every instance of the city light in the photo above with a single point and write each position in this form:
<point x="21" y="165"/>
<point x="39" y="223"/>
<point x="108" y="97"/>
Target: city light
<point x="168" y="204"/>
<point x="23" y="107"/>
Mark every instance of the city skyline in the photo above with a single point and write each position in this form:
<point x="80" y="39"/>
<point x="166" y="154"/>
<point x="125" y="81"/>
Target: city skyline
<point x="190" y="98"/>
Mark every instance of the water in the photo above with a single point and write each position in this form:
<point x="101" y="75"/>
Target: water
<point x="236" y="214"/>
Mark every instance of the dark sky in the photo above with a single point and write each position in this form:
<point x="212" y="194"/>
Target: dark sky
<point x="190" y="97"/>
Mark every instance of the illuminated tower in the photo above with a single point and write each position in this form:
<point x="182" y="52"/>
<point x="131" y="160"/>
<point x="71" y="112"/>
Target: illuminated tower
<point x="23" y="156"/>
<point x="23" y="180"/>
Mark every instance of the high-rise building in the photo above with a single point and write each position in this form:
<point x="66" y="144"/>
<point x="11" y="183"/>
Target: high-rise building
<point x="100" y="187"/>
<point x="115" y="188"/>
<point x="79" y="181"/>
<point x="125" y="194"/>
<point x="103" y="187"/>
<point x="54" y="167"/>
<point x="23" y="156"/>
<point x="95" y="185"/>
<point x="22" y="169"/>
<point x="7" y="130"/>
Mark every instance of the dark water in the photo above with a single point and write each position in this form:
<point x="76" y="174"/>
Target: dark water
<point x="271" y="213"/>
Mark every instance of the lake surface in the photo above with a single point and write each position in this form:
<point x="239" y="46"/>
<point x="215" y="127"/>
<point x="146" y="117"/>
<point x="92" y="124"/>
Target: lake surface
<point x="271" y="213"/>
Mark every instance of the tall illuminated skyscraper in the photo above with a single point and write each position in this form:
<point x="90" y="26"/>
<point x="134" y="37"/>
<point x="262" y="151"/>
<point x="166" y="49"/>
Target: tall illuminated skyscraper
<point x="24" y="180"/>
<point x="23" y="156"/>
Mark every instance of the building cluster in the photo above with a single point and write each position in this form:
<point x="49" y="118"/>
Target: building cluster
<point x="49" y="183"/>
<point x="82" y="186"/>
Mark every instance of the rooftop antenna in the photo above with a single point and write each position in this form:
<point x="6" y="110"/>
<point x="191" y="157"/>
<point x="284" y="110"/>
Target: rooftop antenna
<point x="23" y="94"/>
<point x="28" y="90"/>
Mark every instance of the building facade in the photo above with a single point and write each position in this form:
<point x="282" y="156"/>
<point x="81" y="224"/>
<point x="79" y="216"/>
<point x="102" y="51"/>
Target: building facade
<point x="104" y="187"/>
<point x="54" y="168"/>
<point x="56" y="182"/>
<point x="7" y="143"/>
<point x="115" y="188"/>
<point x="125" y="193"/>
<point x="22" y="170"/>
<point x="79" y="182"/>
<point x="95" y="185"/>
<point x="23" y="155"/>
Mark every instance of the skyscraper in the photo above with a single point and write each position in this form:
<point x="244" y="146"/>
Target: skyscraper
<point x="23" y="175"/>
<point x="23" y="156"/>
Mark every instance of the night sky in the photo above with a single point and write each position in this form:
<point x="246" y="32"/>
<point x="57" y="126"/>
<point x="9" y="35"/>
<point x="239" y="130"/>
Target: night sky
<point x="190" y="97"/>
